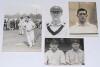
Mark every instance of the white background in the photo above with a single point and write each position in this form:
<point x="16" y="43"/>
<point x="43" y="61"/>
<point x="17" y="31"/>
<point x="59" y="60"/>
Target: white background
<point x="35" y="59"/>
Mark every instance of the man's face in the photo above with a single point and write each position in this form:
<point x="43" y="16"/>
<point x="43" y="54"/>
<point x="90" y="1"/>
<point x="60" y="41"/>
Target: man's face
<point x="82" y="16"/>
<point x="37" y="20"/>
<point x="56" y="14"/>
<point x="53" y="47"/>
<point x="26" y="19"/>
<point x="75" y="46"/>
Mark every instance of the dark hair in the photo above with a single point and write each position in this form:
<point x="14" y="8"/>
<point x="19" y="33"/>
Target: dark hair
<point x="81" y="9"/>
<point x="56" y="8"/>
<point x="21" y="17"/>
<point x="28" y="16"/>
<point x="75" y="41"/>
<point x="54" y="42"/>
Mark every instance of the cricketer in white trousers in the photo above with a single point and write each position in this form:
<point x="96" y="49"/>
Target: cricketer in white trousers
<point x="30" y="32"/>
<point x="21" y="27"/>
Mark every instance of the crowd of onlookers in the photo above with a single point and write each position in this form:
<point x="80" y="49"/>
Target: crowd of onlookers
<point x="12" y="23"/>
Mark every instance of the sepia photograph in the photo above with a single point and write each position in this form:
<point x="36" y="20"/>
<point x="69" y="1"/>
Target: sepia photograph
<point x="22" y="29"/>
<point x="64" y="51"/>
<point x="83" y="18"/>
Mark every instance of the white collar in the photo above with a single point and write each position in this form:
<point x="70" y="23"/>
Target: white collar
<point x="55" y="51"/>
<point x="86" y="23"/>
<point x="79" y="51"/>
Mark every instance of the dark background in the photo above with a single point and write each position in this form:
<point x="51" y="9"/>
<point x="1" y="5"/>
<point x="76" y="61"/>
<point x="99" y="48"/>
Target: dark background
<point x="64" y="43"/>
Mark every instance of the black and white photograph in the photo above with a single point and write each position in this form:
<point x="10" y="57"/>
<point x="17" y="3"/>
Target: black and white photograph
<point x="56" y="26"/>
<point x="49" y="33"/>
<point x="83" y="18"/>
<point x="22" y="29"/>
<point x="64" y="51"/>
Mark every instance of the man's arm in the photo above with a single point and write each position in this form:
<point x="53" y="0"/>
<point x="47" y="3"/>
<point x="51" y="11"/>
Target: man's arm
<point x="33" y="25"/>
<point x="67" y="59"/>
<point x="62" y="58"/>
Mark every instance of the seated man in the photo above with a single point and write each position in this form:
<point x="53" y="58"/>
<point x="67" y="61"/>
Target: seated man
<point x="82" y="26"/>
<point x="54" y="56"/>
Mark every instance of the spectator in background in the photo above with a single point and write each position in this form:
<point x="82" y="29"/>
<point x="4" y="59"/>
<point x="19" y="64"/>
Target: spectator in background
<point x="17" y="22"/>
<point x="12" y="24"/>
<point x="21" y="25"/>
<point x="5" y="24"/>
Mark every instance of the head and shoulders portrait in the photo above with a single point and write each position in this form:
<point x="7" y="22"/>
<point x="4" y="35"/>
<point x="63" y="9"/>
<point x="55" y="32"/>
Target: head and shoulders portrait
<point x="83" y="18"/>
<point x="56" y="27"/>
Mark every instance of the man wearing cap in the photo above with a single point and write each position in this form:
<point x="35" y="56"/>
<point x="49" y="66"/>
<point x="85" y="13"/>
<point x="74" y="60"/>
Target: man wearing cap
<point x="54" y="56"/>
<point x="56" y="27"/>
<point x="82" y="26"/>
<point x="75" y="56"/>
<point x="29" y="27"/>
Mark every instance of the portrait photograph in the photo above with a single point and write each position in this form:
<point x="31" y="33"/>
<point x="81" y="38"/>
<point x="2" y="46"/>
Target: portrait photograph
<point x="64" y="51"/>
<point x="83" y="18"/>
<point x="55" y="20"/>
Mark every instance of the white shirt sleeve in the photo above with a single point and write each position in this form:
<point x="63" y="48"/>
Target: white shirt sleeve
<point x="62" y="60"/>
<point x="67" y="58"/>
<point x="33" y="24"/>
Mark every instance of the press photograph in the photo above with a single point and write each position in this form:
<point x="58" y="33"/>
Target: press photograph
<point x="22" y="28"/>
<point x="83" y="18"/>
<point x="64" y="51"/>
